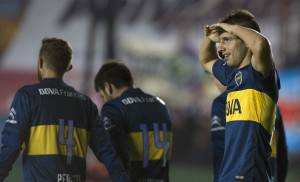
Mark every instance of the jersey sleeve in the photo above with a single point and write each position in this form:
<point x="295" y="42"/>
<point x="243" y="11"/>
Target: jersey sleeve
<point x="102" y="147"/>
<point x="111" y="117"/>
<point x="15" y="132"/>
<point x="222" y="71"/>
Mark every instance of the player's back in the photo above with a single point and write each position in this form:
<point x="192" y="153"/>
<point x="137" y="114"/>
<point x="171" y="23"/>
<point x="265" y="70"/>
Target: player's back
<point x="58" y="137"/>
<point x="147" y="134"/>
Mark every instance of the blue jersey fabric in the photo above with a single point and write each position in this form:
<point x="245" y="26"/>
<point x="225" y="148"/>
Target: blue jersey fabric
<point x="279" y="157"/>
<point x="53" y="125"/>
<point x="218" y="132"/>
<point x="140" y="128"/>
<point x="250" y="116"/>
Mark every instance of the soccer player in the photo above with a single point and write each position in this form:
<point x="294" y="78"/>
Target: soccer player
<point x="250" y="77"/>
<point x="138" y="123"/>
<point x="279" y="156"/>
<point x="54" y="124"/>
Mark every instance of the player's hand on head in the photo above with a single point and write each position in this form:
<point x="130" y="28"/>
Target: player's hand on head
<point x="212" y="33"/>
<point x="220" y="27"/>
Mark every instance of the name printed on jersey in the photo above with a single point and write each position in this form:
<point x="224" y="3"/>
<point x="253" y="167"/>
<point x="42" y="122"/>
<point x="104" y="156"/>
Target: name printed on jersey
<point x="133" y="100"/>
<point x="64" y="177"/>
<point x="60" y="92"/>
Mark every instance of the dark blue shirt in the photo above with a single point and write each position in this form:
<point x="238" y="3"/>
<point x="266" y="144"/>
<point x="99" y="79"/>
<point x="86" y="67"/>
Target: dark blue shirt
<point x="140" y="128"/>
<point x="279" y="156"/>
<point x="54" y="124"/>
<point x="218" y="132"/>
<point x="250" y="118"/>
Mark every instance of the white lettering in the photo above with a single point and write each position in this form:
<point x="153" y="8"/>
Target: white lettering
<point x="64" y="177"/>
<point x="60" y="92"/>
<point x="132" y="100"/>
<point x="41" y="91"/>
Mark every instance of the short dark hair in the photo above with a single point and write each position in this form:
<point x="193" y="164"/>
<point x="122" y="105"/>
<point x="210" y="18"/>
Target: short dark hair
<point x="57" y="53"/>
<point x="115" y="73"/>
<point x="241" y="17"/>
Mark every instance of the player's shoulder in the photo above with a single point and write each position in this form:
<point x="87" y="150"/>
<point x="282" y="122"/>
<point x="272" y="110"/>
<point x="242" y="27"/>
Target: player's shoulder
<point x="27" y="89"/>
<point x="113" y="106"/>
<point x="137" y="95"/>
<point x="221" y="97"/>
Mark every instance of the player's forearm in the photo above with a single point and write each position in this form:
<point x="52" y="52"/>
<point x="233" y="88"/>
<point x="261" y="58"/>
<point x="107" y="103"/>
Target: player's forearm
<point x="103" y="149"/>
<point x="10" y="149"/>
<point x="207" y="52"/>
<point x="255" y="41"/>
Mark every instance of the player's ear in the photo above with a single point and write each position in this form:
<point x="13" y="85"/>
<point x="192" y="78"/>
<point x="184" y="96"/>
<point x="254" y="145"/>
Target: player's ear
<point x="40" y="63"/>
<point x="107" y="88"/>
<point x="110" y="89"/>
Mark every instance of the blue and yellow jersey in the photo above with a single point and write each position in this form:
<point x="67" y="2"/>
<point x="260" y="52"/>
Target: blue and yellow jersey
<point x="140" y="128"/>
<point x="53" y="125"/>
<point x="250" y="117"/>
<point x="279" y="156"/>
<point x="218" y="132"/>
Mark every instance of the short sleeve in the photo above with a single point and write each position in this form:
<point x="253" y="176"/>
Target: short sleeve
<point x="15" y="131"/>
<point x="111" y="117"/>
<point x="222" y="71"/>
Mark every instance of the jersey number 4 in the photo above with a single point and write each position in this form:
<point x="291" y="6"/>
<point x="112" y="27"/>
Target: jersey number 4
<point x="164" y="144"/>
<point x="69" y="141"/>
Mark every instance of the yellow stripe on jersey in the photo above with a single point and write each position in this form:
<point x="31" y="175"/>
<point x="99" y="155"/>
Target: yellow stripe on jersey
<point x="251" y="105"/>
<point x="273" y="143"/>
<point x="44" y="140"/>
<point x="136" y="144"/>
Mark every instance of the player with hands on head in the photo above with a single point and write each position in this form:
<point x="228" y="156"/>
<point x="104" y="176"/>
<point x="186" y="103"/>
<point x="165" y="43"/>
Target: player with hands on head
<point x="249" y="75"/>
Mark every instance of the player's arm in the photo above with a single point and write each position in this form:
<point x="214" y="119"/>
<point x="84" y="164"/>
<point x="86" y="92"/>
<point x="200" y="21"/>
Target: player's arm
<point x="14" y="132"/>
<point x="219" y="85"/>
<point x="207" y="52"/>
<point x="256" y="42"/>
<point x="102" y="147"/>
<point x="111" y="117"/>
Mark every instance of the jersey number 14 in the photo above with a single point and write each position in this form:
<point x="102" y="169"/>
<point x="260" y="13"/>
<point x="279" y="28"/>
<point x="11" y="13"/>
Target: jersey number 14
<point x="164" y="144"/>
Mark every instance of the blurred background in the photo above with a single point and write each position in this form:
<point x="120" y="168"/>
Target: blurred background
<point x="158" y="40"/>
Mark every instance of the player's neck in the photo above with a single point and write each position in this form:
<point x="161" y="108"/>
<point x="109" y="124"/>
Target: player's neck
<point x="50" y="74"/>
<point x="120" y="91"/>
<point x="246" y="61"/>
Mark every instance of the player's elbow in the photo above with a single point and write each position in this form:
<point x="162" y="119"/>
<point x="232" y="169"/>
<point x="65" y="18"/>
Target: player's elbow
<point x="204" y="64"/>
<point x="262" y="46"/>
<point x="202" y="61"/>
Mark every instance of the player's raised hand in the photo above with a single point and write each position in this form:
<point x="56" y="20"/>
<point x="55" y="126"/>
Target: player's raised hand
<point x="212" y="33"/>
<point x="221" y="27"/>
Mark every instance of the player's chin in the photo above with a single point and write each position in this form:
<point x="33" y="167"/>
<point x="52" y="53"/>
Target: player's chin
<point x="226" y="60"/>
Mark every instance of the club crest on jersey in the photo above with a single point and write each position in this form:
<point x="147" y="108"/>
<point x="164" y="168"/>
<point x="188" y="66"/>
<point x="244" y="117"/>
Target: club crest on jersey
<point x="238" y="78"/>
<point x="107" y="123"/>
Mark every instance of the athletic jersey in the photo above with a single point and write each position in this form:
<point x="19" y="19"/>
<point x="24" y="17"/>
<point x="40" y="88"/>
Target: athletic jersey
<point x="218" y="132"/>
<point x="54" y="124"/>
<point x="279" y="156"/>
<point x="250" y="117"/>
<point x="140" y="128"/>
